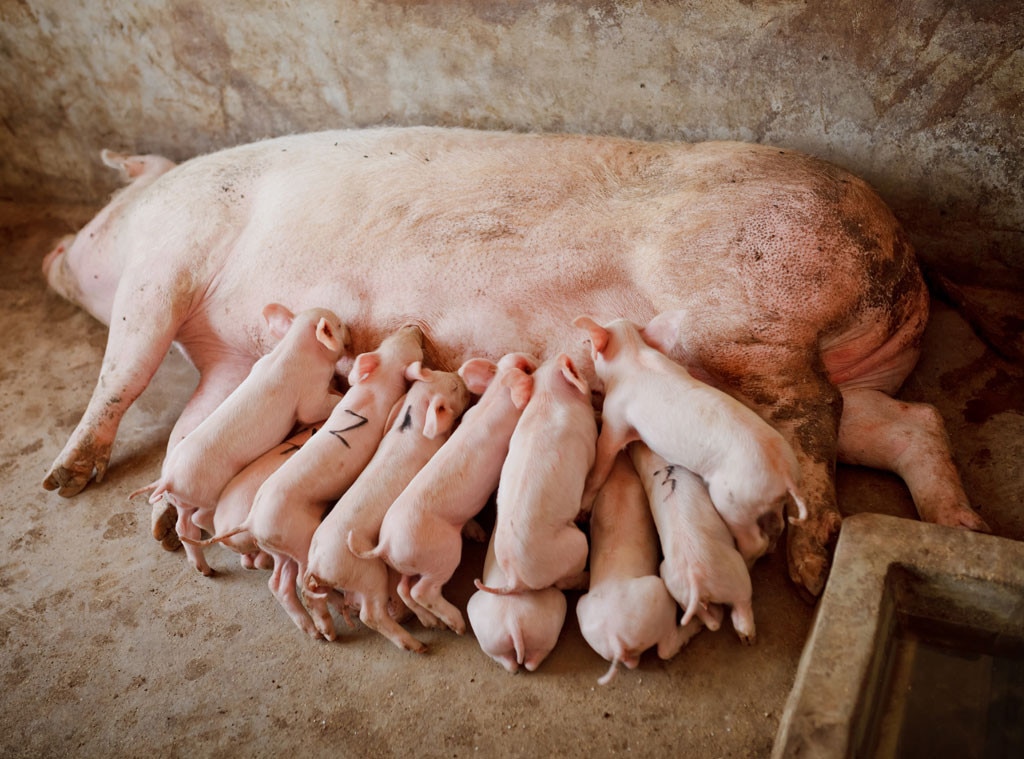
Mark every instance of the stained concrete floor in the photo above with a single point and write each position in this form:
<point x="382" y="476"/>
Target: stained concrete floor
<point x="110" y="646"/>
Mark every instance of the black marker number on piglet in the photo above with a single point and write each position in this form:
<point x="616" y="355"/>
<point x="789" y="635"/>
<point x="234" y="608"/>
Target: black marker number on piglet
<point x="337" y="433"/>
<point x="669" y="479"/>
<point x="407" y="422"/>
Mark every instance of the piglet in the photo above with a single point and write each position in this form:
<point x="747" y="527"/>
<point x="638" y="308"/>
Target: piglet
<point x="291" y="503"/>
<point x="627" y="609"/>
<point x="424" y="420"/>
<point x="537" y="543"/>
<point x="421" y="532"/>
<point x="290" y="384"/>
<point x="702" y="565"/>
<point x="750" y="469"/>
<point x="516" y="630"/>
<point x="236" y="500"/>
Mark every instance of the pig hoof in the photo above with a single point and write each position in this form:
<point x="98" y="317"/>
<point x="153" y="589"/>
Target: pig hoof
<point x="963" y="517"/>
<point x="810" y="546"/>
<point x="164" y="519"/>
<point x="67" y="482"/>
<point x="809" y="570"/>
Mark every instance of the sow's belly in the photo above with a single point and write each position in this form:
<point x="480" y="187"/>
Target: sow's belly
<point x="496" y="242"/>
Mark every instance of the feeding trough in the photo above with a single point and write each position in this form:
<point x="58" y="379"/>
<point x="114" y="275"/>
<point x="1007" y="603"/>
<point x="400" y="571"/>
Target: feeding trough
<point x="917" y="648"/>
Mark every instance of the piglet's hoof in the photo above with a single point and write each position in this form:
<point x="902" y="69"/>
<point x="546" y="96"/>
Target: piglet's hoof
<point x="164" y="518"/>
<point x="810" y="548"/>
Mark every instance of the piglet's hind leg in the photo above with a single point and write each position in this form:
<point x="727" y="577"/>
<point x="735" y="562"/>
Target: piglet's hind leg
<point x="426" y="592"/>
<point x="220" y="372"/>
<point x="374" y="614"/>
<point x="282" y="585"/>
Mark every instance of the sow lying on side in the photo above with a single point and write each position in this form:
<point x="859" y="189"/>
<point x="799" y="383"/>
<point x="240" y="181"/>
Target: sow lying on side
<point x="783" y="279"/>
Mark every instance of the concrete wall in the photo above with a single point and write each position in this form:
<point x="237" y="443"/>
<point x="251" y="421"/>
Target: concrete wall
<point x="923" y="98"/>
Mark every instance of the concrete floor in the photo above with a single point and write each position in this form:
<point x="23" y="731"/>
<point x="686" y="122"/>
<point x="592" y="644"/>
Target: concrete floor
<point x="110" y="646"/>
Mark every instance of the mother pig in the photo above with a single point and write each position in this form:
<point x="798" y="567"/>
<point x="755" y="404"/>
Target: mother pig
<point x="785" y="280"/>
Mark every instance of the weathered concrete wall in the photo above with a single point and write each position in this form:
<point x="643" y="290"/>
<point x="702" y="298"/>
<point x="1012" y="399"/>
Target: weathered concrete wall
<point x="923" y="98"/>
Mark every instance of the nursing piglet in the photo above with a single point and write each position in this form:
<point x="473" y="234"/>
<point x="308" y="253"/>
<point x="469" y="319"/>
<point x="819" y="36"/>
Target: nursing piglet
<point x="424" y="420"/>
<point x="537" y="543"/>
<point x="290" y="505"/>
<point x="516" y="630"/>
<point x="236" y="499"/>
<point x="702" y="567"/>
<point x="749" y="468"/>
<point x="421" y="532"/>
<point x="627" y="609"/>
<point x="290" y="384"/>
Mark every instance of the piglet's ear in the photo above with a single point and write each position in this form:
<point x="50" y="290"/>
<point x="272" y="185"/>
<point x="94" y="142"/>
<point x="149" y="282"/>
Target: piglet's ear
<point x="365" y="365"/>
<point x="328" y="337"/>
<point x="598" y="334"/>
<point x="520" y="386"/>
<point x="477" y="373"/>
<point x="526" y="362"/>
<point x="440" y="419"/>
<point x="664" y="330"/>
<point x="572" y="376"/>
<point x="279" y="319"/>
<point x="416" y="372"/>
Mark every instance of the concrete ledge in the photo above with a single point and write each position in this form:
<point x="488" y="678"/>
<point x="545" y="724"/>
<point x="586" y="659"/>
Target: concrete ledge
<point x="886" y="567"/>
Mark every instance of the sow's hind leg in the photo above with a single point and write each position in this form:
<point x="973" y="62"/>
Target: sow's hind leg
<point x="910" y="440"/>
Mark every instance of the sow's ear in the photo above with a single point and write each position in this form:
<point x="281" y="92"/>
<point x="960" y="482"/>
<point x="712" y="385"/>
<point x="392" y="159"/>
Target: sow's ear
<point x="128" y="166"/>
<point x="278" y="318"/>
<point x="664" y="331"/>
<point x="598" y="334"/>
<point x="572" y="375"/>
<point x="477" y="373"/>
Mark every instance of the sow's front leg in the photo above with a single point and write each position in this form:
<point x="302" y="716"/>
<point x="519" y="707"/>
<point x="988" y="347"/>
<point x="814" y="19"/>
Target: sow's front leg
<point x="142" y="327"/>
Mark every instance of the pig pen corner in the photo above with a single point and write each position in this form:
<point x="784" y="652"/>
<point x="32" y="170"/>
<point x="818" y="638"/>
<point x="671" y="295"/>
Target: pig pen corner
<point x="113" y="646"/>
